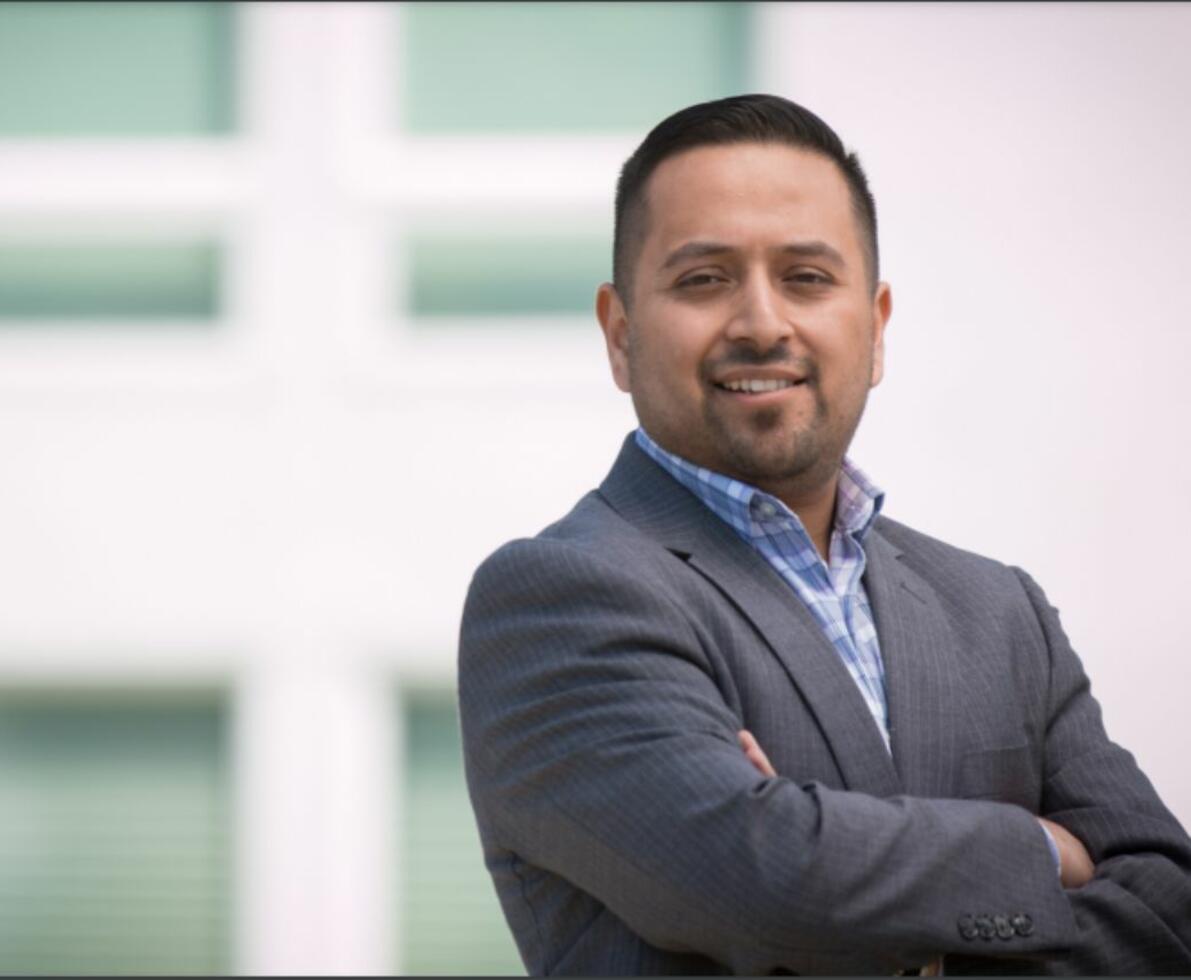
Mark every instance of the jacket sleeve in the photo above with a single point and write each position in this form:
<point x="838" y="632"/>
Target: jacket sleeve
<point x="1134" y="916"/>
<point x="598" y="747"/>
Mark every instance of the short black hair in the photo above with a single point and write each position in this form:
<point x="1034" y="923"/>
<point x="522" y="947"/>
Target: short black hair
<point x="738" y="119"/>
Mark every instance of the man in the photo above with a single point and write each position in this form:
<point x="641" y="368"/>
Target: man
<point x="725" y="717"/>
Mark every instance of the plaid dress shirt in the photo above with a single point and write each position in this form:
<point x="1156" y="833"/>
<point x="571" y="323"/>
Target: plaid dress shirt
<point x="833" y="591"/>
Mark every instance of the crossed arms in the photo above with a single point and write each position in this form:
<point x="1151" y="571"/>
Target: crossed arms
<point x="1075" y="864"/>
<point x="601" y="744"/>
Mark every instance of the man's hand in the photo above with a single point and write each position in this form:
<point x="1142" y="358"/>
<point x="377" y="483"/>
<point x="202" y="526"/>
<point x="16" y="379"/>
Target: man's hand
<point x="752" y="749"/>
<point x="1075" y="864"/>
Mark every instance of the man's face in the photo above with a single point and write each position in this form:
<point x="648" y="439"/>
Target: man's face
<point x="752" y="336"/>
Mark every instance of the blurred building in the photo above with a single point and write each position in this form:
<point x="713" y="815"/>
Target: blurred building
<point x="295" y="328"/>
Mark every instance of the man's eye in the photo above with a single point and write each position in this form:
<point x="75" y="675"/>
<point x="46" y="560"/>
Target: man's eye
<point x="808" y="277"/>
<point x="699" y="279"/>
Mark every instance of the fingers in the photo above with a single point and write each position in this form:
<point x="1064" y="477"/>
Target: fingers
<point x="755" y="754"/>
<point x="1075" y="864"/>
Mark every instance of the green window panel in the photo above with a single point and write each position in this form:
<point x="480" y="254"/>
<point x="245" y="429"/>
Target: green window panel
<point x="115" y="849"/>
<point x="150" y="280"/>
<point x="116" y="69"/>
<point x="489" y="276"/>
<point x="452" y="922"/>
<point x="514" y="67"/>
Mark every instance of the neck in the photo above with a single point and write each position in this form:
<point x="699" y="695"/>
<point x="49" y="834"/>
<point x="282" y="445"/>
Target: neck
<point x="816" y="510"/>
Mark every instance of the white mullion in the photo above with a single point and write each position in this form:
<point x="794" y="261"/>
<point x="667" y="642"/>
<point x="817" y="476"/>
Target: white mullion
<point x="314" y="731"/>
<point x="533" y="171"/>
<point x="361" y="816"/>
<point x="361" y="43"/>
<point x="90" y="176"/>
<point x="280" y="839"/>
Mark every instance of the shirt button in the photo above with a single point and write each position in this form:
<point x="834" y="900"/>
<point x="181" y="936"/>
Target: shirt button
<point x="766" y="509"/>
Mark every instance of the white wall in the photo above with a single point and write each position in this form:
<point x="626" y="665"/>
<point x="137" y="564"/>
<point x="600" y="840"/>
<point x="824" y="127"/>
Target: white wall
<point x="1030" y="168"/>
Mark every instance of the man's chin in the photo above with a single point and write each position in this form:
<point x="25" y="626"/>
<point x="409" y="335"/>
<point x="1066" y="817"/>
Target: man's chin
<point x="767" y="461"/>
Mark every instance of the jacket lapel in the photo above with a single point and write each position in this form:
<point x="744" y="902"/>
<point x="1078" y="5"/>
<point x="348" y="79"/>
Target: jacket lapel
<point x="648" y="497"/>
<point x="921" y="672"/>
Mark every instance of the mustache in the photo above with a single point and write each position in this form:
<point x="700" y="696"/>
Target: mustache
<point x="744" y="357"/>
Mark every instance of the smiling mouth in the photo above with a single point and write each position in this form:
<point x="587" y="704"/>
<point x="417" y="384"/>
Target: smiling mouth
<point x="757" y="386"/>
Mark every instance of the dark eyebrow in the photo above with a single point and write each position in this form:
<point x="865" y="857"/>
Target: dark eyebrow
<point x="694" y="250"/>
<point x="808" y="250"/>
<point x="814" y="250"/>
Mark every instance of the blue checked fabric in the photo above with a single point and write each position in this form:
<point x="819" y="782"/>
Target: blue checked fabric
<point x="833" y="591"/>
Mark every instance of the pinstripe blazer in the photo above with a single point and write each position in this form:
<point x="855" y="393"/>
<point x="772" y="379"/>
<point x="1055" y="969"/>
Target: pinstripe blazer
<point x="605" y="667"/>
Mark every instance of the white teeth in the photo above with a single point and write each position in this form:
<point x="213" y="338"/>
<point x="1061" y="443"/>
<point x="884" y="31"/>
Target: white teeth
<point x="755" y="385"/>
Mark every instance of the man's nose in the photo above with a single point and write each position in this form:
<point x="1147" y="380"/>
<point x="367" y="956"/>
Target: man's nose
<point x="760" y="318"/>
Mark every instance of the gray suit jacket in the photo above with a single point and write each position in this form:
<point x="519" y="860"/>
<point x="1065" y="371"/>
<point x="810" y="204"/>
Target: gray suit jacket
<point x="605" y="667"/>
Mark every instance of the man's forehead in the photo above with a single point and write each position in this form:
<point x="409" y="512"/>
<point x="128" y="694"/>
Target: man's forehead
<point x="744" y="168"/>
<point x="703" y="193"/>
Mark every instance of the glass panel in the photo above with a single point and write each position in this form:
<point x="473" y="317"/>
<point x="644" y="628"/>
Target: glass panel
<point x="452" y="922"/>
<point x="489" y="276"/>
<point x="114" y="836"/>
<point x="116" y="69"/>
<point x="505" y="67"/>
<point x="145" y="280"/>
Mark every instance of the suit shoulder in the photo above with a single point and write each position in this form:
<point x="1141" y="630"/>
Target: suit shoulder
<point x="591" y="533"/>
<point x="944" y="564"/>
<point x="587" y="573"/>
<point x="590" y="547"/>
<point x="982" y="596"/>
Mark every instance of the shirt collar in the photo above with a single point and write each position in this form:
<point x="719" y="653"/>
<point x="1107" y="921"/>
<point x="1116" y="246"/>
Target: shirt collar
<point x="753" y="512"/>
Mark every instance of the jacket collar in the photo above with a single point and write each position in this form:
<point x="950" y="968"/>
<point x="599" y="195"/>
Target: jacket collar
<point x="917" y="645"/>
<point x="642" y="493"/>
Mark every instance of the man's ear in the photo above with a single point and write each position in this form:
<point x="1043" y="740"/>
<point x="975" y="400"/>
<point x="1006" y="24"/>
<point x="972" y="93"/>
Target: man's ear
<point x="882" y="309"/>
<point x="614" y="322"/>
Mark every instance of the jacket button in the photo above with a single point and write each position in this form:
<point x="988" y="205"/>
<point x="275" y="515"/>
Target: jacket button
<point x="1004" y="927"/>
<point x="985" y="927"/>
<point x="1022" y="924"/>
<point x="967" y="927"/>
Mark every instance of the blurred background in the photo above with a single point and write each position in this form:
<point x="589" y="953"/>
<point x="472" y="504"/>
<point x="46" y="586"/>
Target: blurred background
<point x="295" y="328"/>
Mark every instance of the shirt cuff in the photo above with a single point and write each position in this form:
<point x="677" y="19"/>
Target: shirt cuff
<point x="1054" y="849"/>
